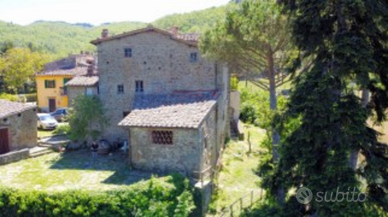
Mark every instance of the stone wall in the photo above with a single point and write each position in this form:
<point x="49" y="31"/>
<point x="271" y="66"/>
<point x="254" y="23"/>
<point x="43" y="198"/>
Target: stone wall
<point x="222" y="116"/>
<point x="235" y="104"/>
<point x="14" y="156"/>
<point x="161" y="63"/>
<point x="73" y="92"/>
<point x="209" y="140"/>
<point x="22" y="129"/>
<point x="183" y="156"/>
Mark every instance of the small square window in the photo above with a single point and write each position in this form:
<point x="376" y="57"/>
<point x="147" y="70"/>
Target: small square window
<point x="139" y="86"/>
<point x="89" y="91"/>
<point x="120" y="88"/>
<point x="49" y="83"/>
<point x="162" y="137"/>
<point x="128" y="52"/>
<point x="193" y="57"/>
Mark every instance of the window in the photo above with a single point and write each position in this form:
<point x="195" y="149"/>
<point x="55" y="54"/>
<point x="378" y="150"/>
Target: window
<point x="162" y="137"/>
<point x="139" y="86"/>
<point x="120" y="88"/>
<point x="65" y="80"/>
<point x="49" y="83"/>
<point x="89" y="91"/>
<point x="193" y="57"/>
<point x="128" y="52"/>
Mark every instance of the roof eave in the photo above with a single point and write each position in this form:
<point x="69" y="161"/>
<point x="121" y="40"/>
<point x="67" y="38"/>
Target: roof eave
<point x="138" y="31"/>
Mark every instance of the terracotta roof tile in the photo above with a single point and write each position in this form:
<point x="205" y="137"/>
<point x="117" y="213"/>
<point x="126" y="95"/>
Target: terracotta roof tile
<point x="77" y="71"/>
<point x="190" y="39"/>
<point x="172" y="111"/>
<point x="8" y="108"/>
<point x="85" y="81"/>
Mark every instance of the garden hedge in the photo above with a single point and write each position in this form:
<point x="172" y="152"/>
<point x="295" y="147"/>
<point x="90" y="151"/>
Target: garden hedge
<point x="169" y="197"/>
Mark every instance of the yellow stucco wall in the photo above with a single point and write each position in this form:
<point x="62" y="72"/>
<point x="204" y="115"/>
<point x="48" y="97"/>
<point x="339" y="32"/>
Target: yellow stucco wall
<point x="44" y="94"/>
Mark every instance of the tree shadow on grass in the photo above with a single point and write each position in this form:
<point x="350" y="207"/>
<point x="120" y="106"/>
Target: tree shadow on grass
<point x="117" y="162"/>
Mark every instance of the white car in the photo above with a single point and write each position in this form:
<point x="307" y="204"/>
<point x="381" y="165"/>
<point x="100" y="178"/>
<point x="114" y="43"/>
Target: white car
<point x="46" y="121"/>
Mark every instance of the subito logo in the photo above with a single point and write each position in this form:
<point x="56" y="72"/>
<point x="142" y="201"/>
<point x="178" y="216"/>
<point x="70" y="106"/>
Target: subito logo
<point x="304" y="195"/>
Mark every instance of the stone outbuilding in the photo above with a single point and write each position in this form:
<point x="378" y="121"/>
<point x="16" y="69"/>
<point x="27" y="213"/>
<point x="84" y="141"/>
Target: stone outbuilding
<point x="18" y="126"/>
<point x="174" y="132"/>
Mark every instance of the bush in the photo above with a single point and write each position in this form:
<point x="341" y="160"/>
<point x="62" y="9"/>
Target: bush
<point x="31" y="97"/>
<point x="62" y="129"/>
<point x="86" y="118"/>
<point x="172" y="197"/>
<point x="234" y="83"/>
<point x="9" y="97"/>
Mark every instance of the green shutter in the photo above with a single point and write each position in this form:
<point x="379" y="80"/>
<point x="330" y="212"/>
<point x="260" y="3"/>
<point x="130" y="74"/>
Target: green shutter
<point x="53" y="83"/>
<point x="45" y="83"/>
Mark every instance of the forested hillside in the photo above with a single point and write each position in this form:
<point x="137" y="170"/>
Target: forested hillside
<point x="58" y="39"/>
<point x="196" y="21"/>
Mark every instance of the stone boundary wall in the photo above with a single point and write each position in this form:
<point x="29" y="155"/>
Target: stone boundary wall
<point x="14" y="156"/>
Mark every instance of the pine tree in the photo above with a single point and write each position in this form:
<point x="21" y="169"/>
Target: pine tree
<point x="347" y="40"/>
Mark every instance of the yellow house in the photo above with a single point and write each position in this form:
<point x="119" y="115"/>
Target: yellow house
<point x="50" y="84"/>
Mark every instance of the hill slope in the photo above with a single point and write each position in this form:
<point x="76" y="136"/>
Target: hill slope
<point x="59" y="38"/>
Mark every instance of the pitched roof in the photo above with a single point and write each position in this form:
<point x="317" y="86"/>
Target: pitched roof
<point x="77" y="71"/>
<point x="172" y="111"/>
<point x="8" y="108"/>
<point x="190" y="39"/>
<point x="83" y="81"/>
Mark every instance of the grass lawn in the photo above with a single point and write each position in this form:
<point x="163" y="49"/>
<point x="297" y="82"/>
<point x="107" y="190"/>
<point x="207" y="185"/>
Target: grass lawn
<point x="253" y="88"/>
<point x="74" y="170"/>
<point x="44" y="133"/>
<point x="237" y="177"/>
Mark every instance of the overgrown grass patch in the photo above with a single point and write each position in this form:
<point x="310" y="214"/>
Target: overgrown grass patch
<point x="237" y="177"/>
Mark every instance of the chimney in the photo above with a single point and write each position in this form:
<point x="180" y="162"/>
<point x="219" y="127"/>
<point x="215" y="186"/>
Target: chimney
<point x="174" y="30"/>
<point x="104" y="33"/>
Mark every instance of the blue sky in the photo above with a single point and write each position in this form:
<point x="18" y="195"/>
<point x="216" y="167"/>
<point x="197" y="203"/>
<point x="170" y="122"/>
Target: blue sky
<point x="24" y="12"/>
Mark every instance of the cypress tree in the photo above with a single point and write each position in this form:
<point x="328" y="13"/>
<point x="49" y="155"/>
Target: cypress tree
<point x="347" y="42"/>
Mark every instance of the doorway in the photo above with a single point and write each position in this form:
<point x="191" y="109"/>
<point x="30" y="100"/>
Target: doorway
<point x="52" y="105"/>
<point x="4" y="141"/>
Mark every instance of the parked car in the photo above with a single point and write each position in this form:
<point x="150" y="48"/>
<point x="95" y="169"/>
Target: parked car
<point x="60" y="114"/>
<point x="46" y="121"/>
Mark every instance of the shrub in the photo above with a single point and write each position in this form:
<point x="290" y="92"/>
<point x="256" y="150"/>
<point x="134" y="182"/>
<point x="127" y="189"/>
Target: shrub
<point x="86" y="118"/>
<point x="31" y="97"/>
<point x="62" y="129"/>
<point x="172" y="197"/>
<point x="234" y="83"/>
<point x="9" y="97"/>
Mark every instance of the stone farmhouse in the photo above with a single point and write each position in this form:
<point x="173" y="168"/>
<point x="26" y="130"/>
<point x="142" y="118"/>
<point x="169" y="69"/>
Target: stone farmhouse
<point x="160" y="95"/>
<point x="17" y="126"/>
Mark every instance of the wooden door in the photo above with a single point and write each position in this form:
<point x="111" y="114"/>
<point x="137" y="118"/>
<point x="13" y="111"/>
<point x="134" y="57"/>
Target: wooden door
<point x="52" y="105"/>
<point x="4" y="141"/>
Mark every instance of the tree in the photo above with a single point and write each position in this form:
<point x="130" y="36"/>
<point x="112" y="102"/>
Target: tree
<point x="86" y="118"/>
<point x="18" y="65"/>
<point x="6" y="46"/>
<point x="347" y="41"/>
<point x="254" y="39"/>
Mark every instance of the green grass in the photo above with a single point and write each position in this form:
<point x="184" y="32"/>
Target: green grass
<point x="74" y="170"/>
<point x="44" y="133"/>
<point x="237" y="177"/>
<point x="254" y="88"/>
